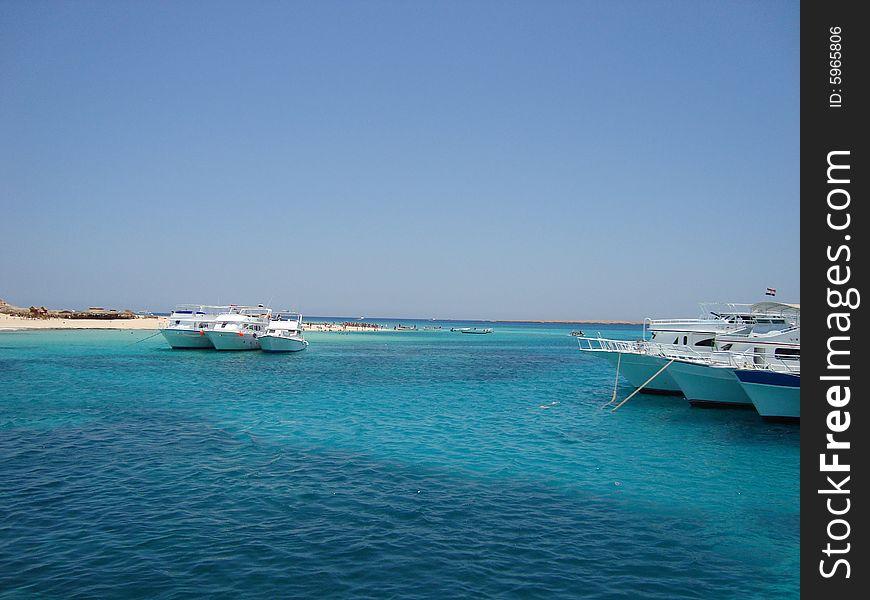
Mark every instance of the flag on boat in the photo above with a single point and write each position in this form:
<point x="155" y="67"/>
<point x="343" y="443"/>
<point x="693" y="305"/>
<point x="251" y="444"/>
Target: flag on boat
<point x="770" y="292"/>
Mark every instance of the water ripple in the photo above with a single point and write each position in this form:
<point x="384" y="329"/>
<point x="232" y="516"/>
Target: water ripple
<point x="421" y="468"/>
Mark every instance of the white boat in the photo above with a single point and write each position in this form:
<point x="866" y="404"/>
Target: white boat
<point x="708" y="384"/>
<point x="284" y="333"/>
<point x="638" y="362"/>
<point x="188" y="324"/>
<point x="641" y="362"/>
<point x="240" y="328"/>
<point x="776" y="395"/>
<point x="709" y="380"/>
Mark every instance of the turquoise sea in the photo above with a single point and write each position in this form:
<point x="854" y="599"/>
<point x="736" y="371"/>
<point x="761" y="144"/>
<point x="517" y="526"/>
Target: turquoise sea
<point x="378" y="465"/>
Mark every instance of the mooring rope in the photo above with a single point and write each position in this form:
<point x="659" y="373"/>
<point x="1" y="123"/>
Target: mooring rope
<point x="615" y="381"/>
<point x="145" y="338"/>
<point x="644" y="385"/>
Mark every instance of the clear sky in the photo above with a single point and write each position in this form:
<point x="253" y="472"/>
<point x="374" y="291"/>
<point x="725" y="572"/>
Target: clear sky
<point x="433" y="159"/>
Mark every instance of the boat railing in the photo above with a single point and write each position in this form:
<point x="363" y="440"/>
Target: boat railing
<point x="731" y="308"/>
<point x="600" y="344"/>
<point x="731" y="313"/>
<point x="246" y="311"/>
<point x="200" y="310"/>
<point x="730" y="337"/>
<point x="748" y="359"/>
<point x="287" y="315"/>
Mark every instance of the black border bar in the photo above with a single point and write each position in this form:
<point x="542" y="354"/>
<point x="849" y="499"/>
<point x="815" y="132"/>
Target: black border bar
<point x="834" y="231"/>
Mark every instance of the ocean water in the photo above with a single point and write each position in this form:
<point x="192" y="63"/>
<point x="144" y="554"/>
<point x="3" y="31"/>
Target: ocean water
<point x="380" y="465"/>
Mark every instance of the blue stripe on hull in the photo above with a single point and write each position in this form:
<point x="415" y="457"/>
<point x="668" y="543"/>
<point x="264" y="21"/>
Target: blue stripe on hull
<point x="768" y="378"/>
<point x="776" y="396"/>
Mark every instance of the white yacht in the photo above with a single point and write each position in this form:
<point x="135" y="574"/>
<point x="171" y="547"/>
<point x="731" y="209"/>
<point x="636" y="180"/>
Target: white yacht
<point x="710" y="380"/>
<point x="641" y="362"/>
<point x="188" y="324"/>
<point x="284" y="333"/>
<point x="240" y="328"/>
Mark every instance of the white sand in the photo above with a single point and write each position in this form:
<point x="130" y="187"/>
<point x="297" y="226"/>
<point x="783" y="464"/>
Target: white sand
<point x="9" y="322"/>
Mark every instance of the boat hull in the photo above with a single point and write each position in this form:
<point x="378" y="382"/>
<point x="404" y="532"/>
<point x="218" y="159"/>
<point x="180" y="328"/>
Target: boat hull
<point x="233" y="340"/>
<point x="272" y="343"/>
<point x="776" y="396"/>
<point x="637" y="368"/>
<point x="708" y="386"/>
<point x="187" y="338"/>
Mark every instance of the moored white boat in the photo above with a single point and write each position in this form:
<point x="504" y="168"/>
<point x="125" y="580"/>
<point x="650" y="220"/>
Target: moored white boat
<point x="709" y="384"/>
<point x="284" y="333"/>
<point x="240" y="328"/>
<point x="641" y="362"/>
<point x="638" y="362"/>
<point x="708" y="379"/>
<point x="188" y="324"/>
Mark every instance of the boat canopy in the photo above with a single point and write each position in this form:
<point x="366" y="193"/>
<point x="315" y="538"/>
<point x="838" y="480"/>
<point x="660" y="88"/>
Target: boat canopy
<point x="776" y="307"/>
<point x="286" y="320"/>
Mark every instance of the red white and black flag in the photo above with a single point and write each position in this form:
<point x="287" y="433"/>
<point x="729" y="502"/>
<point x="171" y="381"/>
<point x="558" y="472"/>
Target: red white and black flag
<point x="770" y="292"/>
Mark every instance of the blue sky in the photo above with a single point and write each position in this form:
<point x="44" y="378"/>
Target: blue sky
<point x="474" y="159"/>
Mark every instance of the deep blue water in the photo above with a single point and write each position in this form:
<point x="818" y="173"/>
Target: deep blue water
<point x="383" y="465"/>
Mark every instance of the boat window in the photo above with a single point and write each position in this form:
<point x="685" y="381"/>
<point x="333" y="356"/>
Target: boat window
<point x="677" y="340"/>
<point x="685" y="340"/>
<point x="707" y="342"/>
<point x="727" y="347"/>
<point x="787" y="353"/>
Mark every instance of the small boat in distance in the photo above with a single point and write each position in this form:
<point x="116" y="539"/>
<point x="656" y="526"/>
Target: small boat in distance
<point x="576" y="333"/>
<point x="188" y="324"/>
<point x="284" y="333"/>
<point x="471" y="330"/>
<point x="239" y="328"/>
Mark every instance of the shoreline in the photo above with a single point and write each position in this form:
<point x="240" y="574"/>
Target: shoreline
<point x="583" y="322"/>
<point x="15" y="323"/>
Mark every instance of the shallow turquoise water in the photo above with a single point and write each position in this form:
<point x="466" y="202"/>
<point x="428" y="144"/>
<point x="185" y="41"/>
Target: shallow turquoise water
<point x="404" y="465"/>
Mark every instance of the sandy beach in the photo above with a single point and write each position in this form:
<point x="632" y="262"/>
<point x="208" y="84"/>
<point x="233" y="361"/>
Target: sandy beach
<point x="12" y="323"/>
